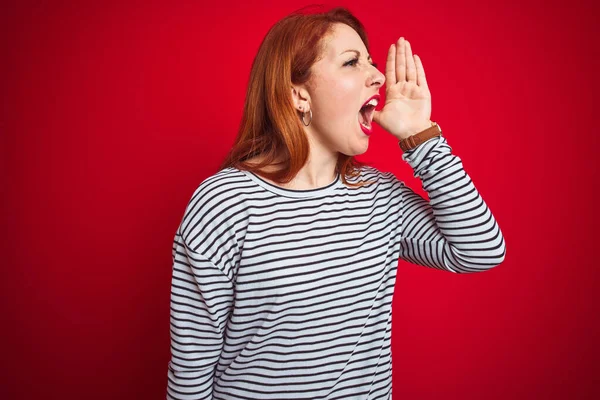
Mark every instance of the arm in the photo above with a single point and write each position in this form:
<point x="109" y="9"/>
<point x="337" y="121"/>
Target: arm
<point x="201" y="301"/>
<point x="455" y="230"/>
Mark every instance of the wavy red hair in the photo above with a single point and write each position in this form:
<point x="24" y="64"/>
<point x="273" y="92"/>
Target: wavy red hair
<point x="270" y="126"/>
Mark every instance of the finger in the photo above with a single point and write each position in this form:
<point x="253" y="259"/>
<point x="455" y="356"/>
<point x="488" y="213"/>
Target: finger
<point x="411" y="69"/>
<point x="421" y="80"/>
<point x="400" y="61"/>
<point x="390" y="72"/>
<point x="376" y="116"/>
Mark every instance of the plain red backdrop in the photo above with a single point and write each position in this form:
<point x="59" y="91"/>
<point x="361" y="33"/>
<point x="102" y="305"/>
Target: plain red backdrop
<point x="113" y="113"/>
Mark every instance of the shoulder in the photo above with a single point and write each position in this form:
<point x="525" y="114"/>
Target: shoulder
<point x="371" y="172"/>
<point x="220" y="185"/>
<point x="214" y="210"/>
<point x="383" y="178"/>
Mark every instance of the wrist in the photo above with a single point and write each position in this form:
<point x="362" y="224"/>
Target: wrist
<point x="418" y="129"/>
<point x="415" y="140"/>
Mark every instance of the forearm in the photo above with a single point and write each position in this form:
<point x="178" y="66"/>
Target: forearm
<point x="456" y="231"/>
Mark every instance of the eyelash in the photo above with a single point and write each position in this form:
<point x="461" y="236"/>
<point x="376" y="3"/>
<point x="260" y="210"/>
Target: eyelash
<point x="355" y="60"/>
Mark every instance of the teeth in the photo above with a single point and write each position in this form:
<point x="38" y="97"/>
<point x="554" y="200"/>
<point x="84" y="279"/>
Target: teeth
<point x="372" y="102"/>
<point x="367" y="114"/>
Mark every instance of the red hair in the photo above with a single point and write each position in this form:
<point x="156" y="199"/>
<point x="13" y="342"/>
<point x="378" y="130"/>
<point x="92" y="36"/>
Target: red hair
<point x="270" y="124"/>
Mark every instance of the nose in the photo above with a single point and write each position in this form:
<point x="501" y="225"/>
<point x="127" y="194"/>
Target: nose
<point x="376" y="77"/>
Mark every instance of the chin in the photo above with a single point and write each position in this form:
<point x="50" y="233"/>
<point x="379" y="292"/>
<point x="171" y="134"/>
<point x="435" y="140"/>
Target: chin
<point x="358" y="150"/>
<point x="364" y="151"/>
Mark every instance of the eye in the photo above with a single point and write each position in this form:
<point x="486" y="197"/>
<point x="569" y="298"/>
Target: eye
<point x="351" y="62"/>
<point x="355" y="60"/>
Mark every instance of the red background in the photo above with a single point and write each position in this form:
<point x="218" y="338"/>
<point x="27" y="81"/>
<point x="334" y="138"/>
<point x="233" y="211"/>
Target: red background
<point x="112" y="115"/>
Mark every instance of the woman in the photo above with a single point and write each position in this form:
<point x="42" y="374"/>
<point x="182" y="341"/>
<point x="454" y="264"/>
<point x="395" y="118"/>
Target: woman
<point x="285" y="261"/>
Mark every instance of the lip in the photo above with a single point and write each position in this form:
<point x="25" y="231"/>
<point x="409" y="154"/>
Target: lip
<point x="365" y="130"/>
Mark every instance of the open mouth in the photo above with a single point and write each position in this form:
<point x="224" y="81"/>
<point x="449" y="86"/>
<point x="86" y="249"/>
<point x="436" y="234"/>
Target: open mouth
<point x="365" y="115"/>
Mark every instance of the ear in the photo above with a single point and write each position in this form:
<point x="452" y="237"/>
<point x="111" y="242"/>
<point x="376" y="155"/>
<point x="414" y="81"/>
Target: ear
<point x="300" y="98"/>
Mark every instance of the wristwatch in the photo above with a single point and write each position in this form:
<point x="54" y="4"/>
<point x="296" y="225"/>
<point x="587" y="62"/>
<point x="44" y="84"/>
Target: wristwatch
<point x="413" y="141"/>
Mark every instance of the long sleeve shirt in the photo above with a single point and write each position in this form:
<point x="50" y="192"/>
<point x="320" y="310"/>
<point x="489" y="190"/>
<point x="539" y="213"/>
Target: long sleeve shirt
<point x="287" y="294"/>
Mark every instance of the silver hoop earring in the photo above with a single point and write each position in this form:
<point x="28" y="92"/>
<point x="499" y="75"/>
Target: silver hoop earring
<point x="305" y="124"/>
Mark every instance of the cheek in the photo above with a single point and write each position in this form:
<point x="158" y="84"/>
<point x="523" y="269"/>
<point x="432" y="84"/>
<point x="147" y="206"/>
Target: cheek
<point x="340" y="99"/>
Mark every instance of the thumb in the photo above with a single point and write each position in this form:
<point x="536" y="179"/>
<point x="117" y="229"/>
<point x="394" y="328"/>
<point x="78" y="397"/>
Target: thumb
<point x="376" y="116"/>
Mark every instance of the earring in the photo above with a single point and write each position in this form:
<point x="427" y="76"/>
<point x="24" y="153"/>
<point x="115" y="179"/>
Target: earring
<point x="305" y="124"/>
<point x="303" y="113"/>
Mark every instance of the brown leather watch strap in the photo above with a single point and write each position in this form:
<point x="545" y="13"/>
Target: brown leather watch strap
<point x="413" y="141"/>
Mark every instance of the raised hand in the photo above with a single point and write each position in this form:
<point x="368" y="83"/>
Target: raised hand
<point x="407" y="108"/>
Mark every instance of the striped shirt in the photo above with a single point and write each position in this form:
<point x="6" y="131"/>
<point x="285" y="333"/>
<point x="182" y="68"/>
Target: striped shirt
<point x="287" y="294"/>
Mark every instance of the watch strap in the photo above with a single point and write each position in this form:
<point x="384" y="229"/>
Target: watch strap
<point x="413" y="141"/>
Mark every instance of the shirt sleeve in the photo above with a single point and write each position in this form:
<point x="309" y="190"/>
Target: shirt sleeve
<point x="455" y="230"/>
<point x="201" y="303"/>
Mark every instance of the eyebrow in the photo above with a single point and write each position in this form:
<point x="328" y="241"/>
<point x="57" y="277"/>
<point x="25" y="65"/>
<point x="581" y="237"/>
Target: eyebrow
<point x="357" y="53"/>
